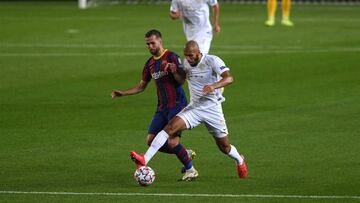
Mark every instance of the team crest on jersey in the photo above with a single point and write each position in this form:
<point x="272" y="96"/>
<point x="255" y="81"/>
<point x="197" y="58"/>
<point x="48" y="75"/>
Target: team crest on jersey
<point x="201" y="66"/>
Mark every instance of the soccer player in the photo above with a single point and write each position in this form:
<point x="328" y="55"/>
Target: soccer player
<point x="171" y="96"/>
<point x="206" y="75"/>
<point x="196" y="23"/>
<point x="271" y="7"/>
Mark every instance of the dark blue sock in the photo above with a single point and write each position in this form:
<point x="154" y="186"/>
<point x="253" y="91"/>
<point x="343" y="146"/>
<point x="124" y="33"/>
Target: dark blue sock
<point x="183" y="156"/>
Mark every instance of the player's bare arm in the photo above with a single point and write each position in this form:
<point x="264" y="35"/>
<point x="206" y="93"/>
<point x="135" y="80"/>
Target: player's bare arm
<point x="226" y="79"/>
<point x="179" y="74"/>
<point x="216" y="12"/>
<point x="175" y="15"/>
<point x="134" y="90"/>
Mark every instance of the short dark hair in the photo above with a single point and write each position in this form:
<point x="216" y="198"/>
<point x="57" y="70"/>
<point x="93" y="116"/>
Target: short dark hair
<point x="192" y="44"/>
<point x="157" y="33"/>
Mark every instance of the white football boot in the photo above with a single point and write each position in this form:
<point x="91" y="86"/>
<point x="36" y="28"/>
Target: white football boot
<point x="190" y="174"/>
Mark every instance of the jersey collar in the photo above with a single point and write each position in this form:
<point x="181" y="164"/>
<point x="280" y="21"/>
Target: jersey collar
<point x="158" y="57"/>
<point x="202" y="58"/>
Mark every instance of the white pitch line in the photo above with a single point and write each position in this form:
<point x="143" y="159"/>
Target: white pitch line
<point x="116" y="18"/>
<point x="185" y="195"/>
<point x="117" y="54"/>
<point x="35" y="45"/>
<point x="288" y="51"/>
<point x="125" y="54"/>
<point x="237" y="48"/>
<point x="311" y="20"/>
<point x="29" y="45"/>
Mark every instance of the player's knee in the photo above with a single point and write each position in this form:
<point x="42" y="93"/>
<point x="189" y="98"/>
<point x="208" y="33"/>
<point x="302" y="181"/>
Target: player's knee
<point x="173" y="142"/>
<point x="224" y="148"/>
<point x="170" y="129"/>
<point x="227" y="149"/>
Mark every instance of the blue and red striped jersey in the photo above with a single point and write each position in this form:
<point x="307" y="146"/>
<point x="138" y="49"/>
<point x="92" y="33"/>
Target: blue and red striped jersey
<point x="170" y="93"/>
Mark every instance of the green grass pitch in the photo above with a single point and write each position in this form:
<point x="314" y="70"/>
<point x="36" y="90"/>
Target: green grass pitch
<point x="293" y="110"/>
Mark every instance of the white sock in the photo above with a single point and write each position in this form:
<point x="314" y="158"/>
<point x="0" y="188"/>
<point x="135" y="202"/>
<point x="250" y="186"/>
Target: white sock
<point x="234" y="154"/>
<point x="156" y="144"/>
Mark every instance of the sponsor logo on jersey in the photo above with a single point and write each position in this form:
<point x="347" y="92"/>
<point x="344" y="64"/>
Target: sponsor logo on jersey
<point x="222" y="67"/>
<point x="157" y="75"/>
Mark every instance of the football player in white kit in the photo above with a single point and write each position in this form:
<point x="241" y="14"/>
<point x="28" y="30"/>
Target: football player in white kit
<point x="196" y="23"/>
<point x="206" y="75"/>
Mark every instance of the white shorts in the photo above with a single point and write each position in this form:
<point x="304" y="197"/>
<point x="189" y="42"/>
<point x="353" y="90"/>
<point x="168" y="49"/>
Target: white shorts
<point x="204" y="43"/>
<point x="212" y="117"/>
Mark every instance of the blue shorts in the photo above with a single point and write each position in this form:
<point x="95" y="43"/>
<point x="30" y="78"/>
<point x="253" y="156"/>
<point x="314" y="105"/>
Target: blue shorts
<point x="162" y="118"/>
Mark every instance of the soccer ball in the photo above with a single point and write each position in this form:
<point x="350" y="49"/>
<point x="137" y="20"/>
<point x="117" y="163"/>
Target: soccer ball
<point x="144" y="175"/>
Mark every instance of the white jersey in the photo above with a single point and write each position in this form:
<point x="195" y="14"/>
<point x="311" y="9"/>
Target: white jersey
<point x="207" y="71"/>
<point x="195" y="17"/>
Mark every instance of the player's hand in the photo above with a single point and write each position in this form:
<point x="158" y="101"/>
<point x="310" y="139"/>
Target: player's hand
<point x="217" y="28"/>
<point x="171" y="67"/>
<point x="116" y="93"/>
<point x="175" y="15"/>
<point x="207" y="89"/>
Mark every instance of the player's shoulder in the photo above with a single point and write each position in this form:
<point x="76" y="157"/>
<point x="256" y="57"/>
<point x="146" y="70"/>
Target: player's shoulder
<point x="211" y="58"/>
<point x="186" y="64"/>
<point x="172" y="53"/>
<point x="172" y="56"/>
<point x="214" y="61"/>
<point x="149" y="62"/>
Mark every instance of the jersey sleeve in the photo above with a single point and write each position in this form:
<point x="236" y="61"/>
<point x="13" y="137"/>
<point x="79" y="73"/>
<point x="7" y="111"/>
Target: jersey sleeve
<point x="146" y="75"/>
<point x="174" y="7"/>
<point x="186" y="65"/>
<point x="219" y="66"/>
<point x="212" y="2"/>
<point x="177" y="60"/>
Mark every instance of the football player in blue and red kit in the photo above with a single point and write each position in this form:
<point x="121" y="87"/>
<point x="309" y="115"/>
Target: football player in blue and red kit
<point x="166" y="69"/>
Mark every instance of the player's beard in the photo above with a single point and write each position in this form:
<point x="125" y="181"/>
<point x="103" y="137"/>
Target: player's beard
<point x="196" y="61"/>
<point x="155" y="51"/>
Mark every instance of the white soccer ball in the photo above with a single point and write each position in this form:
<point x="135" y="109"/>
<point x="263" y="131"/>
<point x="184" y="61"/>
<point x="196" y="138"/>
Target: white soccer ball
<point x="144" y="175"/>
